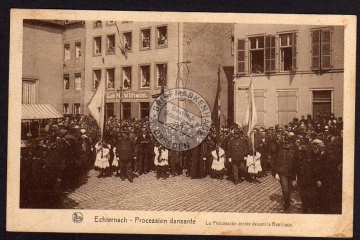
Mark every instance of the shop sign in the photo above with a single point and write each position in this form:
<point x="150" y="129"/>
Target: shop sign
<point x="127" y="95"/>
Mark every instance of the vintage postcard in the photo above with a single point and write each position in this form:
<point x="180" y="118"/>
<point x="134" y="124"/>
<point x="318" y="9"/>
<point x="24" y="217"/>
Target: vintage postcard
<point x="181" y="123"/>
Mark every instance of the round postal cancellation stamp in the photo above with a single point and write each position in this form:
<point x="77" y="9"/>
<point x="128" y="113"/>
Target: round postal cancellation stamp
<point x="180" y="119"/>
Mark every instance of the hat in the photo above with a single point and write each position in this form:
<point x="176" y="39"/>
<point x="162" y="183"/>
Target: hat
<point x="82" y="130"/>
<point x="319" y="142"/>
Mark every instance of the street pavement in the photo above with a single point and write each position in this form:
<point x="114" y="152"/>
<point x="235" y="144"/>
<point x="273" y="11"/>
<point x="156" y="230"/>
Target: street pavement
<point x="179" y="193"/>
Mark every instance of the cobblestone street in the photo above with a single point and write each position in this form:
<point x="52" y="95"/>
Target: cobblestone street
<point x="179" y="194"/>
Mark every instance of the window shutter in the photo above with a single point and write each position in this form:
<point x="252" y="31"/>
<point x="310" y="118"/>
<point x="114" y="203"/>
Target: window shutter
<point x="315" y="50"/>
<point x="293" y="44"/>
<point x="326" y="49"/>
<point x="269" y="53"/>
<point x="241" y="56"/>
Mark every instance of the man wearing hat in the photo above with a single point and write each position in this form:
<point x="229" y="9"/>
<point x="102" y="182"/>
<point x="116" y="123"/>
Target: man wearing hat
<point x="143" y="142"/>
<point x="284" y="170"/>
<point x="306" y="174"/>
<point x="124" y="154"/>
<point x="237" y="150"/>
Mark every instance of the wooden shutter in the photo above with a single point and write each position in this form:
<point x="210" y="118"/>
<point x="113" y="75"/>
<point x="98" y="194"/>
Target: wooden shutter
<point x="269" y="53"/>
<point x="241" y="56"/>
<point x="325" y="48"/>
<point x="315" y="49"/>
<point x="293" y="45"/>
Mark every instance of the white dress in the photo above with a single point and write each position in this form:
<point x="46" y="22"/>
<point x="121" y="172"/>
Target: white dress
<point x="102" y="156"/>
<point x="115" y="162"/>
<point x="253" y="163"/>
<point x="218" y="165"/>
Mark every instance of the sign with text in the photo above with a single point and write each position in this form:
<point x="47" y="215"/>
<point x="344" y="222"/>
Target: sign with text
<point x="127" y="95"/>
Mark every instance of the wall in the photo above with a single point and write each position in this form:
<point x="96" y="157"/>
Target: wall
<point x="207" y="46"/>
<point x="74" y="33"/>
<point x="135" y="58"/>
<point x="42" y="58"/>
<point x="303" y="79"/>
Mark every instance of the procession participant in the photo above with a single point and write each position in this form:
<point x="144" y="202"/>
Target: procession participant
<point x="306" y="174"/>
<point x="174" y="158"/>
<point x="124" y="154"/>
<point x="161" y="161"/>
<point x="271" y="149"/>
<point x="261" y="145"/>
<point x="237" y="152"/>
<point x="198" y="157"/>
<point x="218" y="162"/>
<point x="284" y="170"/>
<point x="253" y="163"/>
<point x="143" y="140"/>
<point x="102" y="158"/>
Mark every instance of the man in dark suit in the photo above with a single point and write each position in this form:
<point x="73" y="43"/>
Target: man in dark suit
<point x="284" y="170"/>
<point x="307" y="174"/>
<point x="143" y="142"/>
<point x="125" y="152"/>
<point x="237" y="150"/>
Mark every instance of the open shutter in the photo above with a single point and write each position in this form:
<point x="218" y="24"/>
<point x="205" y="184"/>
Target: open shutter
<point x="293" y="45"/>
<point x="325" y="48"/>
<point x="269" y="53"/>
<point x="315" y="49"/>
<point x="241" y="56"/>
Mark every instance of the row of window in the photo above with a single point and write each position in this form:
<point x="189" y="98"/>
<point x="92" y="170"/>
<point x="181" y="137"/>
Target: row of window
<point x="77" y="81"/>
<point x="67" y="52"/>
<point x="126" y="108"/>
<point x="126" y="42"/>
<point x="258" y="54"/>
<point x="127" y="77"/>
<point x="76" y="108"/>
<point x="287" y="104"/>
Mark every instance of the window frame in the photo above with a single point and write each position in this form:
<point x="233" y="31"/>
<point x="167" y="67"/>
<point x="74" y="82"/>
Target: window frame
<point x="245" y="50"/>
<point x="123" y="108"/>
<point x="122" y="77"/>
<point x="108" y="23"/>
<point x="256" y="49"/>
<point x="141" y="48"/>
<point x="277" y="100"/>
<point x="93" y="77"/>
<point x="293" y="47"/>
<point x="140" y="74"/>
<point x="78" y="42"/>
<point x="107" y="44"/>
<point x="140" y="108"/>
<point x="75" y="73"/>
<point x="156" y="73"/>
<point x="156" y="37"/>
<point x="74" y="108"/>
<point x="312" y="90"/>
<point x="68" y="108"/>
<point x="101" y="47"/>
<point x="131" y="40"/>
<point x="264" y="91"/>
<point x="106" y="77"/>
<point x="94" y="24"/>
<point x="64" y="81"/>
<point x="68" y="44"/>
<point x="331" y="47"/>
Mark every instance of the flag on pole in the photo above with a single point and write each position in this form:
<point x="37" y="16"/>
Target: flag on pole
<point x="251" y="115"/>
<point x="97" y="106"/>
<point x="216" y="108"/>
<point x="122" y="47"/>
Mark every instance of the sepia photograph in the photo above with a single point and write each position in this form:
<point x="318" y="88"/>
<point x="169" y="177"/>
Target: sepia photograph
<point x="156" y="116"/>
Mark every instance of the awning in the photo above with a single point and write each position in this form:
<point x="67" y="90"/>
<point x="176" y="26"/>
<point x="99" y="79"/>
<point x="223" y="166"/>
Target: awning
<point x="38" y="111"/>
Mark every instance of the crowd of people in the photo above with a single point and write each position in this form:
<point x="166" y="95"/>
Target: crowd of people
<point x="305" y="154"/>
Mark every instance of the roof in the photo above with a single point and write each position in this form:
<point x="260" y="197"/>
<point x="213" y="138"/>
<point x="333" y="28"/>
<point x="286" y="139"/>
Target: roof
<point x="39" y="111"/>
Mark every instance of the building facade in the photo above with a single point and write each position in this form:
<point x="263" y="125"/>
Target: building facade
<point x="64" y="61"/>
<point x="42" y="63"/>
<point x="136" y="59"/>
<point x="295" y="70"/>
